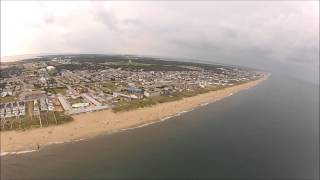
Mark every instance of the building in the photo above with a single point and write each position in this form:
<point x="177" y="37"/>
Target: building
<point x="64" y="103"/>
<point x="50" y="68"/>
<point x="90" y="99"/>
<point x="36" y="108"/>
<point x="79" y="105"/>
<point x="152" y="93"/>
<point x="133" y="90"/>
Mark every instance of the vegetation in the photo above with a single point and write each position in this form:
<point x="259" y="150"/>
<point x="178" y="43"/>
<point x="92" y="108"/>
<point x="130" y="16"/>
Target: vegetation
<point x="76" y="100"/>
<point x="199" y="91"/>
<point x="37" y="86"/>
<point x="163" y="99"/>
<point x="109" y="86"/>
<point x="92" y="62"/>
<point x="24" y="123"/>
<point x="135" y="104"/>
<point x="83" y="66"/>
<point x="3" y="85"/>
<point x="10" y="71"/>
<point x="148" y="67"/>
<point x="58" y="90"/>
<point x="7" y="99"/>
<point x="122" y="65"/>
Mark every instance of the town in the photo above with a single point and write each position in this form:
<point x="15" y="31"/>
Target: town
<point x="48" y="90"/>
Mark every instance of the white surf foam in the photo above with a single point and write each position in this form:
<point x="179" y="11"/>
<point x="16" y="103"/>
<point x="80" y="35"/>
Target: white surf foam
<point x="140" y="126"/>
<point x="181" y="112"/>
<point x="204" y="104"/>
<point x="57" y="142"/>
<point x="49" y="143"/>
<point x="165" y="118"/>
<point x="147" y="124"/>
<point x="68" y="141"/>
<point x="125" y="129"/>
<point x="77" y="140"/>
<point x="17" y="152"/>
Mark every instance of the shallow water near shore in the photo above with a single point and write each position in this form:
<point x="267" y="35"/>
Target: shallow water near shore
<point x="268" y="131"/>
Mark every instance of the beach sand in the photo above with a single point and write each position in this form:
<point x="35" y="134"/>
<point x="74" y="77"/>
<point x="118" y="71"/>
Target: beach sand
<point x="102" y="122"/>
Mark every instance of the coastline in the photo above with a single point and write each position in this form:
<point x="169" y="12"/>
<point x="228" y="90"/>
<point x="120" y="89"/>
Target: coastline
<point x="105" y="122"/>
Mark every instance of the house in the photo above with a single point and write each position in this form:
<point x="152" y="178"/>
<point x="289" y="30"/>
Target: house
<point x="152" y="93"/>
<point x="132" y="90"/>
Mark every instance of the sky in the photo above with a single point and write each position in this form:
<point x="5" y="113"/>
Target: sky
<point x="279" y="37"/>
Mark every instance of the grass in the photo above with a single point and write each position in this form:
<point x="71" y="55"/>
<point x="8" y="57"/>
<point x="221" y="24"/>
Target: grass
<point x="29" y="108"/>
<point x="7" y="99"/>
<point x="58" y="90"/>
<point x="135" y="104"/>
<point x="109" y="86"/>
<point x="76" y="100"/>
<point x="163" y="99"/>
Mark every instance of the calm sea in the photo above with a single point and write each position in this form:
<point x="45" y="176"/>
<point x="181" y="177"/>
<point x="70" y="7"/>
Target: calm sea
<point x="269" y="131"/>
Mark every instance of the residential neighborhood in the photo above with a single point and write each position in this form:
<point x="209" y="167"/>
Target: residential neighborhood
<point x="70" y="86"/>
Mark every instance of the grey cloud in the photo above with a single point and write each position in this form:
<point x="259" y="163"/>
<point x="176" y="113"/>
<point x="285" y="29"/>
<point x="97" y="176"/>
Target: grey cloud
<point x="257" y="34"/>
<point x="49" y="19"/>
<point x="230" y="32"/>
<point x="108" y="19"/>
<point x="198" y="45"/>
<point x="105" y="16"/>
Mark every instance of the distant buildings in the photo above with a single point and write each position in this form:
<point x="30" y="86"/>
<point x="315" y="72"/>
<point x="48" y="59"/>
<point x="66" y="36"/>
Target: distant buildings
<point x="65" y="79"/>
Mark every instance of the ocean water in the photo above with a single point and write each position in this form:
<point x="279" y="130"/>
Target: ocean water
<point x="269" y="131"/>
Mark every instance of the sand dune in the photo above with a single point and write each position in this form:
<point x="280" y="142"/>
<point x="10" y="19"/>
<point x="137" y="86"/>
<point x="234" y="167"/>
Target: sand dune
<point x="92" y="124"/>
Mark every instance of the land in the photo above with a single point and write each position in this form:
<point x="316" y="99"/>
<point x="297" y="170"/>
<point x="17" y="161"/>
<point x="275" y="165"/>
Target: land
<point x="104" y="122"/>
<point x="48" y="91"/>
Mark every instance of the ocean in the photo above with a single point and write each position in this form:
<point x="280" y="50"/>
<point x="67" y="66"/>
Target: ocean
<point x="269" y="131"/>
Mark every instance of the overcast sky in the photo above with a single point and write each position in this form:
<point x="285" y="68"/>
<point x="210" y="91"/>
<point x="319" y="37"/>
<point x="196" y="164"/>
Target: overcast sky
<point x="274" y="36"/>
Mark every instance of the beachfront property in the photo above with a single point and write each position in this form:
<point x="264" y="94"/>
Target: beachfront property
<point x="12" y="109"/>
<point x="73" y="85"/>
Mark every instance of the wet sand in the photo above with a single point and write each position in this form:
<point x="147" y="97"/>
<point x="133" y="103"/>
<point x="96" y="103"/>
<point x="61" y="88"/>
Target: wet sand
<point x="89" y="125"/>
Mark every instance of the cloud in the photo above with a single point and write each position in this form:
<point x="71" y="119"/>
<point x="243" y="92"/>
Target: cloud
<point x="105" y="16"/>
<point x="257" y="34"/>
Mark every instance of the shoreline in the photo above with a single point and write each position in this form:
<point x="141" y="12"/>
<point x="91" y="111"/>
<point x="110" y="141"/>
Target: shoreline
<point x="89" y="125"/>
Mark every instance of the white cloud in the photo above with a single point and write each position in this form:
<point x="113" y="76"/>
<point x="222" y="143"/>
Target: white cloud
<point x="245" y="33"/>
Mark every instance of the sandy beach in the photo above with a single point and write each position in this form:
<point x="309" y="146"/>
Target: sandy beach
<point x="103" y="122"/>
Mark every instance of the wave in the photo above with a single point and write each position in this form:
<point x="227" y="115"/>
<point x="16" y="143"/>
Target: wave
<point x="125" y="129"/>
<point x="165" y="118"/>
<point x="35" y="150"/>
<point x="146" y="124"/>
<point x="17" y="152"/>
<point x="57" y="142"/>
<point x="140" y="126"/>
<point x="182" y="112"/>
<point x="153" y="122"/>
<point x="77" y="140"/>
<point x="204" y="104"/>
<point x="68" y="141"/>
